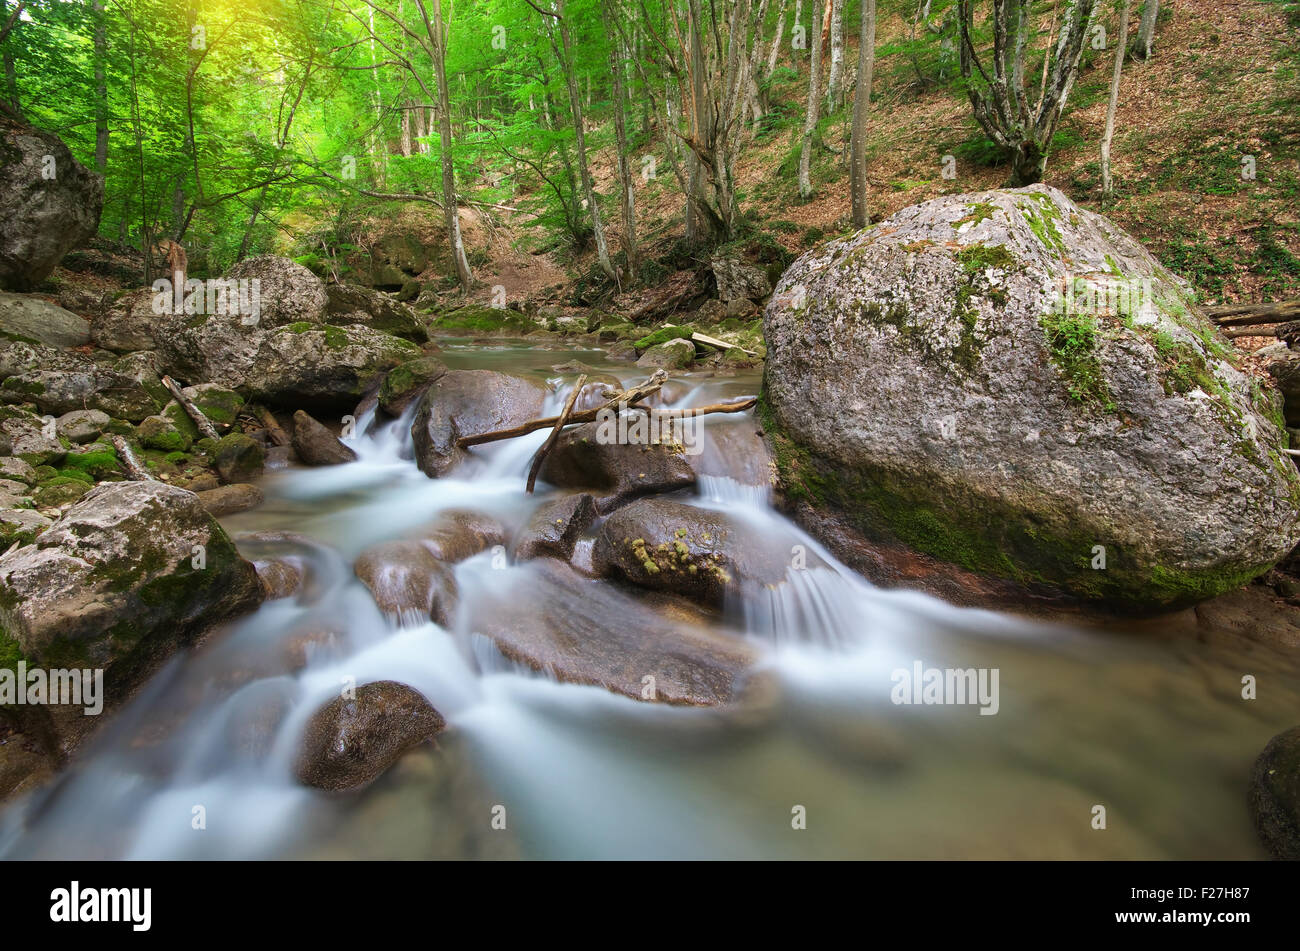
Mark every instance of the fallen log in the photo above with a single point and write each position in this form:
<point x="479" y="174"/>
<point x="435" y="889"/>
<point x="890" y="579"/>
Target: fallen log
<point x="708" y="341"/>
<point x="130" y="463"/>
<point x="205" y="425"/>
<point x="1247" y="315"/>
<point x="630" y="396"/>
<point x="563" y="418"/>
<point x="272" y="426"/>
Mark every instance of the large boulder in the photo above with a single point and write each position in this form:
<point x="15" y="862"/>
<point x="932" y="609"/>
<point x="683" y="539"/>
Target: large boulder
<point x="60" y="381"/>
<point x="405" y="383"/>
<point x="288" y="292"/>
<point x="324" y="367"/>
<point x="349" y="742"/>
<point x="928" y="379"/>
<point x="49" y="203"/>
<point x="129" y="574"/>
<point x="469" y="403"/>
<point x="1275" y="795"/>
<point x="213" y="348"/>
<point x="39" y="321"/>
<point x="589" y="456"/>
<point x="353" y="304"/>
<point x="128" y="323"/>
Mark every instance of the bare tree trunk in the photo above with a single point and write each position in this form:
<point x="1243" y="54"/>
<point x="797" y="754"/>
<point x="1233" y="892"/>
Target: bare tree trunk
<point x="861" y="105"/>
<point x="1146" y="34"/>
<point x="405" y="146"/>
<point x="584" y="172"/>
<point x="835" y="79"/>
<point x="101" y="89"/>
<point x="11" y="72"/>
<point x="814" y="110"/>
<point x="1121" y="47"/>
<point x="620" y="136"/>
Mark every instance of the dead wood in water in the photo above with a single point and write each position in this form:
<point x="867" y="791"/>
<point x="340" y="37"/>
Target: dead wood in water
<point x="563" y="418"/>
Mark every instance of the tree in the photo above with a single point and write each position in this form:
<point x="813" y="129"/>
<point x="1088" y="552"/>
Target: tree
<point x="1000" y="101"/>
<point x="861" y="105"/>
<point x="814" y="107"/>
<point x="1120" y="48"/>
<point x="1146" y="34"/>
<point x="835" y="78"/>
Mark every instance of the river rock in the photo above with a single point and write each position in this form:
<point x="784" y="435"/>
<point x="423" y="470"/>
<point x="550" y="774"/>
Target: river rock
<point x="325" y="367"/>
<point x="468" y="403"/>
<point x="60" y="381"/>
<point x="348" y="743"/>
<point x="1275" y="795"/>
<point x="353" y="304"/>
<point x="589" y="456"/>
<point x="116" y="582"/>
<point x="407" y="580"/>
<point x="37" y="320"/>
<point x="702" y="554"/>
<point x="316" y="445"/>
<point x="670" y="355"/>
<point x="457" y="534"/>
<point x="49" y="203"/>
<point x="923" y="380"/>
<point x="238" y="458"/>
<point x="289" y="293"/>
<point x="555" y="527"/>
<point x="229" y="499"/>
<point x="406" y="382"/>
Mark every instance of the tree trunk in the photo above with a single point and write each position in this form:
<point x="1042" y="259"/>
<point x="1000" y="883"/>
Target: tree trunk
<point x="814" y="109"/>
<point x="101" y="89"/>
<point x="620" y="136"/>
<point x="836" y="77"/>
<point x="861" y="106"/>
<point x="1121" y="47"/>
<point x="1146" y="34"/>
<point x="11" y="72"/>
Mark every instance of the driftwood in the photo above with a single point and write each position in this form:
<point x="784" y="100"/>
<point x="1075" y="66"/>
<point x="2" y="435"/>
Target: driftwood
<point x="1248" y="315"/>
<point x="630" y="397"/>
<point x="272" y="426"/>
<point x="205" y="425"/>
<point x="560" y="421"/>
<point x="137" y="472"/>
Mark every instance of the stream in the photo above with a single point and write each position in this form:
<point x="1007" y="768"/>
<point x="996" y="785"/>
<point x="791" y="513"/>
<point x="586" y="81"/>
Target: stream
<point x="1155" y="730"/>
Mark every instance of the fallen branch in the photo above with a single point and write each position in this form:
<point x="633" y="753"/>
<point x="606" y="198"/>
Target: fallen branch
<point x="1245" y="315"/>
<point x="137" y="472"/>
<point x="272" y="426"/>
<point x="708" y="341"/>
<point x="630" y="397"/>
<point x="205" y="425"/>
<point x="547" y="446"/>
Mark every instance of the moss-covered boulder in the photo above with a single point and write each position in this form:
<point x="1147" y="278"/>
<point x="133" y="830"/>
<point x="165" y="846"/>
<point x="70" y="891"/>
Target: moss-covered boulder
<point x="166" y="432"/>
<point x="238" y="458"/>
<point x="1011" y="383"/>
<point x="323" y="367"/>
<point x="671" y="355"/>
<point x="405" y="382"/>
<point x="353" y="304"/>
<point x="21" y="526"/>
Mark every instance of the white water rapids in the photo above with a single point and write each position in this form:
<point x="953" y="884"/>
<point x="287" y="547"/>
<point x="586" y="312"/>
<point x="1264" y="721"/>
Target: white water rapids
<point x="1155" y="731"/>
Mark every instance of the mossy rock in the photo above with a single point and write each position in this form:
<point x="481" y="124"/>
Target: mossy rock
<point x="238" y="458"/>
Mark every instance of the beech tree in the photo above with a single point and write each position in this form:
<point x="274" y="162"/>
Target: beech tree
<point x="1121" y="48"/>
<point x="861" y="105"/>
<point x="1003" y="106"/>
<point x="1146" y="34"/>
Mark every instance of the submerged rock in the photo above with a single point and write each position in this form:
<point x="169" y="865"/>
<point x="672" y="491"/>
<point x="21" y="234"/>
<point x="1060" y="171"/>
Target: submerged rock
<point x="1011" y="383"/>
<point x="457" y="534"/>
<point x="349" y="743"/>
<point x="469" y="403"/>
<point x="1275" y="795"/>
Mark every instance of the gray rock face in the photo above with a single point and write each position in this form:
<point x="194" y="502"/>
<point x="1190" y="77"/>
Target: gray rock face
<point x="115" y="581"/>
<point x="316" y="445"/>
<point x="327" y="368"/>
<point x="469" y="403"/>
<point x="32" y="318"/>
<point x="1275" y="795"/>
<point x="128" y="323"/>
<point x="737" y="280"/>
<point x="288" y="291"/>
<point x="588" y="457"/>
<point x="923" y="379"/>
<point x="213" y="348"/>
<point x="49" y="204"/>
<point x="81" y="425"/>
<point x="353" y="304"/>
<point x="349" y="743"/>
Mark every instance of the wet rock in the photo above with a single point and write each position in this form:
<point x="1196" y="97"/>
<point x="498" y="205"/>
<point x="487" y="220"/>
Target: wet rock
<point x="39" y="321"/>
<point x="349" y="743"/>
<point x="555" y="527"/>
<point x="577" y="630"/>
<point x="316" y="445"/>
<point x="229" y="499"/>
<point x="736" y="449"/>
<point x="589" y="457"/>
<point x="288" y="291"/>
<point x="325" y="367"/>
<point x="459" y="534"/>
<point x="702" y="554"/>
<point x="116" y="583"/>
<point x="353" y="304"/>
<point x="466" y="403"/>
<point x="922" y="379"/>
<point x="44" y="217"/>
<point x="406" y="382"/>
<point x="81" y="425"/>
<point x="1275" y="795"/>
<point x="407" y="580"/>
<point x="671" y="355"/>
<point x="238" y="458"/>
<point x="280" y="577"/>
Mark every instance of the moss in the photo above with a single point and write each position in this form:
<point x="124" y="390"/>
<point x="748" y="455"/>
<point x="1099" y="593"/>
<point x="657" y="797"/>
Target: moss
<point x="663" y="335"/>
<point x="177" y="458"/>
<point x="1042" y="215"/>
<point x="1072" y="345"/>
<point x="300" y="327"/>
<point x="980" y="211"/>
<point x="98" y="460"/>
<point x="10" y="652"/>
<point x="336" y="338"/>
<point x="77" y="475"/>
<point x="479" y="319"/>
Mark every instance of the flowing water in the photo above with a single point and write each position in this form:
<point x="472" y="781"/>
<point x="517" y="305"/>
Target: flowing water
<point x="1154" y="730"/>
